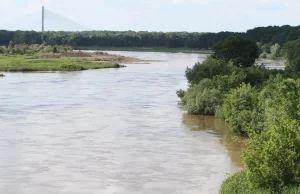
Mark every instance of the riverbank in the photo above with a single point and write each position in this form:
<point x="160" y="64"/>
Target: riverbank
<point x="146" y="49"/>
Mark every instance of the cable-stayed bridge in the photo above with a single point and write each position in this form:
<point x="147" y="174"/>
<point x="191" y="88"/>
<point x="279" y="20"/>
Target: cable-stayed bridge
<point x="52" y="22"/>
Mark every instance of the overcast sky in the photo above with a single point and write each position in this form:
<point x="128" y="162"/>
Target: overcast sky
<point x="158" y="15"/>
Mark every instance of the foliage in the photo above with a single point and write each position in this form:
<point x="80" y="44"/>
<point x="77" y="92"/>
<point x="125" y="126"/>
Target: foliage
<point x="291" y="51"/>
<point x="239" y="184"/>
<point x="238" y="107"/>
<point x="23" y="49"/>
<point x="207" y="96"/>
<point x="257" y="75"/>
<point x="209" y="68"/>
<point x="240" y="51"/>
<point x="272" y="158"/>
<point x="23" y="63"/>
<point x="275" y="51"/>
<point x="180" y="93"/>
<point x="265" y="35"/>
<point x="202" y="98"/>
<point x="263" y="55"/>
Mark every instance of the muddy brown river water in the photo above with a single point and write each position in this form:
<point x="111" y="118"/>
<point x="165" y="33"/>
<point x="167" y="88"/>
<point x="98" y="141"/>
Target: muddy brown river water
<point x="111" y="131"/>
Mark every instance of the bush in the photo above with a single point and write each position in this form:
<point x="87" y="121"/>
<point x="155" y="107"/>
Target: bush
<point x="202" y="98"/>
<point x="2" y="50"/>
<point x="180" y="93"/>
<point x="239" y="184"/>
<point x="238" y="107"/>
<point x="272" y="157"/>
<point x="207" y="69"/>
<point x="291" y="50"/>
<point x="71" y="67"/>
<point x="264" y="55"/>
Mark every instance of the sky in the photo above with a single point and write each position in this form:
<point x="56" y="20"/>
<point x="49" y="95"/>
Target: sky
<point x="152" y="15"/>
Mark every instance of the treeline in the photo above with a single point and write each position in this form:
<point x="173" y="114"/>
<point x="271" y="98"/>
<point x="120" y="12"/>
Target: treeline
<point x="258" y="103"/>
<point x="25" y="49"/>
<point x="266" y="36"/>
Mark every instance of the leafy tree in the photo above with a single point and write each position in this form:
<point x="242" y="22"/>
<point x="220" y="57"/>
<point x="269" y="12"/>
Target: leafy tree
<point x="272" y="157"/>
<point x="209" y="68"/>
<point x="2" y="50"/>
<point x="206" y="97"/>
<point x="263" y="55"/>
<point x="275" y="51"/>
<point x="242" y="52"/>
<point x="202" y="98"/>
<point x="291" y="51"/>
<point x="238" y="107"/>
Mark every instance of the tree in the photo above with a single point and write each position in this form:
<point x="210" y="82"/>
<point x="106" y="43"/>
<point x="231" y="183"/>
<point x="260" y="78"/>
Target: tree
<point x="272" y="157"/>
<point x="238" y="107"/>
<point x="2" y="50"/>
<point x="242" y="52"/>
<point x="209" y="68"/>
<point x="291" y="50"/>
<point x="275" y="51"/>
<point x="202" y="98"/>
<point x="11" y="47"/>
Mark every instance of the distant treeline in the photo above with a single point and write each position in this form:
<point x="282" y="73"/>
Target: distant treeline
<point x="265" y="35"/>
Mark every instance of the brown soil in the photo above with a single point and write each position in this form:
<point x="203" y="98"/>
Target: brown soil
<point x="99" y="57"/>
<point x="75" y="54"/>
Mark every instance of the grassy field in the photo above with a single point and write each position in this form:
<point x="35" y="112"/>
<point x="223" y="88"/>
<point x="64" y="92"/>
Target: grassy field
<point x="23" y="63"/>
<point x="145" y="49"/>
<point x="238" y="184"/>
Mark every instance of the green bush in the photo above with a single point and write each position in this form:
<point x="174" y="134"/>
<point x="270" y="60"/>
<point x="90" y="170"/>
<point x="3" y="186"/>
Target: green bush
<point x="206" y="97"/>
<point x="239" y="184"/>
<point x="263" y="55"/>
<point x="71" y="67"/>
<point x="207" y="69"/>
<point x="272" y="157"/>
<point x="238" y="107"/>
<point x="291" y="51"/>
<point x="202" y="98"/>
<point x="226" y="82"/>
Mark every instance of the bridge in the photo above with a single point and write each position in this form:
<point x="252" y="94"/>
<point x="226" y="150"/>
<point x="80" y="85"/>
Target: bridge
<point x="44" y="20"/>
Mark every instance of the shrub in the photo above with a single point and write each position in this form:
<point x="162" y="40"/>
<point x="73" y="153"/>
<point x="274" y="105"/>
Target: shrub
<point x="263" y="55"/>
<point x="71" y="67"/>
<point x="272" y="157"/>
<point x="238" y="107"/>
<point x="180" y="93"/>
<point x="239" y="184"/>
<point x="207" y="69"/>
<point x="202" y="98"/>
<point x="291" y="50"/>
<point x="226" y="82"/>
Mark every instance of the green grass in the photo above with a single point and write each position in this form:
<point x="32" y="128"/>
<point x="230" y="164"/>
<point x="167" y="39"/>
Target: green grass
<point x="145" y="49"/>
<point x="25" y="63"/>
<point x="238" y="184"/>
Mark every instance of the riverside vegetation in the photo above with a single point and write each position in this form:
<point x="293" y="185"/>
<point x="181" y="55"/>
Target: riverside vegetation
<point x="258" y="103"/>
<point x="28" y="58"/>
<point x="270" y="39"/>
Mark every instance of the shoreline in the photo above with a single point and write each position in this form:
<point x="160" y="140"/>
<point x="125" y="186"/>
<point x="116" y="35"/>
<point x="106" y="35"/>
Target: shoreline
<point x="145" y="49"/>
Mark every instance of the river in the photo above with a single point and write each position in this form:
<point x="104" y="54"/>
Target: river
<point x="110" y="131"/>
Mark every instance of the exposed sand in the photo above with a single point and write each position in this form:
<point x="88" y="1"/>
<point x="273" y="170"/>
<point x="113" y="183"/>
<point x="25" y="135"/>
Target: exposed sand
<point x="99" y="57"/>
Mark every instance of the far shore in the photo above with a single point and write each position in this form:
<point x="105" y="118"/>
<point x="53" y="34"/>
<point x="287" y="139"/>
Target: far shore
<point x="146" y="49"/>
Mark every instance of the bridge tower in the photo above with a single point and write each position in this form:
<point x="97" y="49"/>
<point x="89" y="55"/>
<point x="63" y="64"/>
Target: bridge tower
<point x="43" y="19"/>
